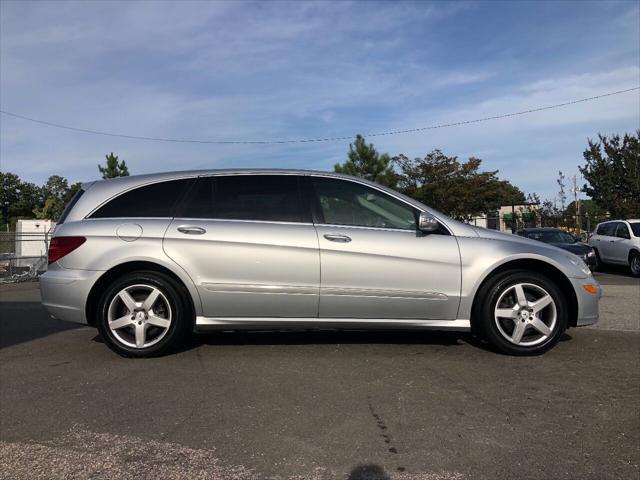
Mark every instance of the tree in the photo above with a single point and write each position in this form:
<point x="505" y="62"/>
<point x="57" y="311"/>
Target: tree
<point x="561" y="193"/>
<point x="17" y="198"/>
<point x="365" y="161"/>
<point x="113" y="168"/>
<point x="612" y="171"/>
<point x="460" y="190"/>
<point x="56" y="196"/>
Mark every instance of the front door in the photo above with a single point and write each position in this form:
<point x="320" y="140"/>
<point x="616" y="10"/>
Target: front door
<point x="375" y="263"/>
<point x="249" y="245"/>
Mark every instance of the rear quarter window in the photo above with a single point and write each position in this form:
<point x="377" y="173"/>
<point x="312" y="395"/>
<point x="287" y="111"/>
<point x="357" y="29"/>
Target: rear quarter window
<point x="69" y="206"/>
<point x="154" y="200"/>
<point x="606" y="229"/>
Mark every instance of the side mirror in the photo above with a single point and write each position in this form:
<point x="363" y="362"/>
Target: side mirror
<point x="427" y="223"/>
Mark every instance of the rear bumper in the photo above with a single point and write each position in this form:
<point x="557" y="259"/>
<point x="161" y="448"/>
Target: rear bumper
<point x="588" y="303"/>
<point x="64" y="292"/>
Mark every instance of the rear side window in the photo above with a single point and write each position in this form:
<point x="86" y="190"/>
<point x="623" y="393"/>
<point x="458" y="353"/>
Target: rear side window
<point x="635" y="228"/>
<point x="155" y="200"/>
<point x="606" y="229"/>
<point x="69" y="207"/>
<point x="247" y="197"/>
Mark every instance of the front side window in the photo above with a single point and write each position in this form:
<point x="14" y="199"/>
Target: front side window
<point x="247" y="197"/>
<point x="154" y="200"/>
<point x="622" y="231"/>
<point x="348" y="203"/>
<point x="635" y="228"/>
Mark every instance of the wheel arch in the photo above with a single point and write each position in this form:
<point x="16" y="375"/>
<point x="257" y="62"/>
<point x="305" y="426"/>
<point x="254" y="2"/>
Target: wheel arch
<point x="131" y="266"/>
<point x="632" y="251"/>
<point x="538" y="266"/>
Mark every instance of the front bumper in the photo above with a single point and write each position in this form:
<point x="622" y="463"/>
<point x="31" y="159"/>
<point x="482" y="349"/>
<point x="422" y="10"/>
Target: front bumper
<point x="64" y="292"/>
<point x="588" y="303"/>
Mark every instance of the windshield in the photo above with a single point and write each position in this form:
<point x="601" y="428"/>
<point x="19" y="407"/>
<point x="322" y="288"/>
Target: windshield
<point x="551" y="236"/>
<point x="635" y="228"/>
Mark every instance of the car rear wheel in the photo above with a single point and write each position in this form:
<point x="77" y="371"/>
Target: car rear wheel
<point x="142" y="314"/>
<point x="523" y="313"/>
<point x="634" y="264"/>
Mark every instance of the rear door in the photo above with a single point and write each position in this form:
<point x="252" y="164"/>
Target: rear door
<point x="603" y="240"/>
<point x="621" y="243"/>
<point x="249" y="245"/>
<point x="374" y="262"/>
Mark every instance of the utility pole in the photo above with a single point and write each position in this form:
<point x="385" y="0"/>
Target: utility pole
<point x="576" y="199"/>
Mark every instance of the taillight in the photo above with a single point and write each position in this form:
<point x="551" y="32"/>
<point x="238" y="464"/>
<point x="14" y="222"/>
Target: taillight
<point x="61" y="246"/>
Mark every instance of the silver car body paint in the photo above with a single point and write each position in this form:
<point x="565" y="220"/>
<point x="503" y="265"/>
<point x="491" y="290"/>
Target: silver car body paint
<point x="247" y="274"/>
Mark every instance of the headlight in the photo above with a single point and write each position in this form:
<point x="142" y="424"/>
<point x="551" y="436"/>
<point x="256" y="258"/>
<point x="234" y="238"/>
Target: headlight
<point x="577" y="261"/>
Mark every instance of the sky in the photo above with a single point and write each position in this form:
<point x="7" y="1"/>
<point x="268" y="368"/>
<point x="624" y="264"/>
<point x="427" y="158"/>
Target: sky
<point x="280" y="71"/>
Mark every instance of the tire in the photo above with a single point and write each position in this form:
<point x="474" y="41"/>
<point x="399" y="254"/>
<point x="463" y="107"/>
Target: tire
<point x="518" y="331"/>
<point x="148" y="324"/>
<point x="634" y="264"/>
<point x="597" y="265"/>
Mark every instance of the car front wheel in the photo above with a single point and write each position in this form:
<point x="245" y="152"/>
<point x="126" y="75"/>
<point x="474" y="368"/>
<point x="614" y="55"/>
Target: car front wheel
<point x="142" y="314"/>
<point x="523" y="313"/>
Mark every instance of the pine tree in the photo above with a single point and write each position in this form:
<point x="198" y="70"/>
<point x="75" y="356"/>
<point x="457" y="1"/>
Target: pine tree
<point x="365" y="161"/>
<point x="113" y="168"/>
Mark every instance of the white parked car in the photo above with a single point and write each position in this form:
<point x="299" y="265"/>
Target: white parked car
<point x="617" y="242"/>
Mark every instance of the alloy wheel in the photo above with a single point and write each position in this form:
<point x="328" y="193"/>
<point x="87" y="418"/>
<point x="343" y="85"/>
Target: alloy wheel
<point x="139" y="316"/>
<point x="526" y="314"/>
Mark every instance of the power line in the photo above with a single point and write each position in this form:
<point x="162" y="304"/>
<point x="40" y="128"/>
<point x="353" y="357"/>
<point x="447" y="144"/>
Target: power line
<point x="310" y="140"/>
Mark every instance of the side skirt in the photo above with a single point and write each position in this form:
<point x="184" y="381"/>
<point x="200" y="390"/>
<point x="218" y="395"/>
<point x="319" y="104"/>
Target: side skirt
<point x="270" y="323"/>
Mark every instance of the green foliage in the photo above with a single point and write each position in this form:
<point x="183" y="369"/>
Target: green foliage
<point x="460" y="190"/>
<point x="56" y="195"/>
<point x="20" y="199"/>
<point x="365" y="161"/>
<point x="562" y="195"/>
<point x="17" y="198"/>
<point x="612" y="171"/>
<point x="113" y="168"/>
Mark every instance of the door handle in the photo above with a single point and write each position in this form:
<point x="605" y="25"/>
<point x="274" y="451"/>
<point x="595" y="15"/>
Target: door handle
<point x="192" y="230"/>
<point x="337" y="238"/>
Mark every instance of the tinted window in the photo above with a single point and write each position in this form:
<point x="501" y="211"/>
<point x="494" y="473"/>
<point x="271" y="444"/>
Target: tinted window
<point x="622" y="231"/>
<point x="635" y="228"/>
<point x="606" y="229"/>
<point x="349" y="203"/>
<point x="551" y="236"/>
<point x="155" y="200"/>
<point x="247" y="197"/>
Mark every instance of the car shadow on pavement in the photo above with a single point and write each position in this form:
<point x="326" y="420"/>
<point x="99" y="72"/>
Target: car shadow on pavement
<point x="336" y="337"/>
<point x="369" y="471"/>
<point x="25" y="321"/>
<point x="328" y="337"/>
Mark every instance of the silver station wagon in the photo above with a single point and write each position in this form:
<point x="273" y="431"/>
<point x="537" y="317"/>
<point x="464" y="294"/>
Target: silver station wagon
<point x="149" y="259"/>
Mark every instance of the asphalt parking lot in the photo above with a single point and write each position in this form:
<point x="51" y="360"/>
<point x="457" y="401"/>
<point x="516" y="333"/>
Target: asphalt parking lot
<point x="320" y="405"/>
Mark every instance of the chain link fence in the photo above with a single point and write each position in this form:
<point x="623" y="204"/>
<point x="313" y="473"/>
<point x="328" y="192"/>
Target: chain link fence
<point x="23" y="256"/>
